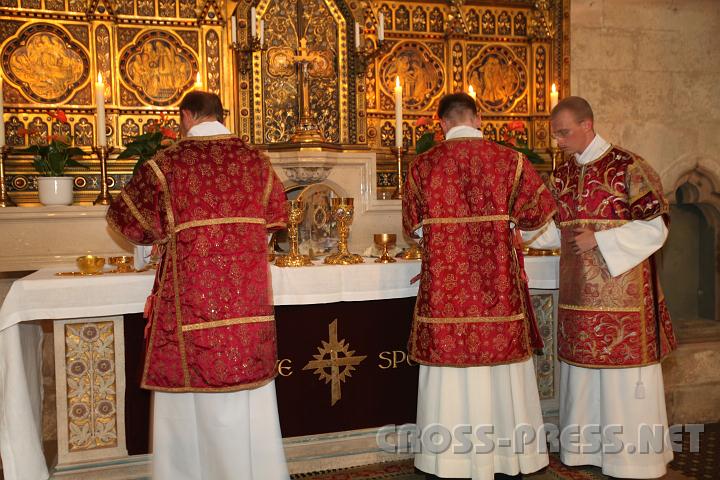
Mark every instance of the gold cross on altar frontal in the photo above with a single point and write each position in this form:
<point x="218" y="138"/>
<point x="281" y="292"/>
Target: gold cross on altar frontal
<point x="337" y="356"/>
<point x="306" y="131"/>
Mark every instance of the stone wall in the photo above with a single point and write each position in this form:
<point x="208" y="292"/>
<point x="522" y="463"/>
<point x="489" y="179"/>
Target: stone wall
<point x="650" y="70"/>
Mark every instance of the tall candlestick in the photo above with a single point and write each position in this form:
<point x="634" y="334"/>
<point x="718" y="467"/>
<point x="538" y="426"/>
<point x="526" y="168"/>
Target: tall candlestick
<point x="262" y="32"/>
<point x="553" y="103"/>
<point x="357" y="36"/>
<point x="2" y="117"/>
<point x="100" y="119"/>
<point x="471" y="92"/>
<point x="381" y="27"/>
<point x="253" y="20"/>
<point x="398" y="114"/>
<point x="233" y="28"/>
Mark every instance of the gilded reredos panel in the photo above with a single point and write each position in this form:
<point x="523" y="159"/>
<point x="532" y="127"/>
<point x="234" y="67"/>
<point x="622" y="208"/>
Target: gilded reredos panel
<point x="151" y="52"/>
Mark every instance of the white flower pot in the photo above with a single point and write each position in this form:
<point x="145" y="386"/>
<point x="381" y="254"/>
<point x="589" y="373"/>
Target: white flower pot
<point x="55" y="190"/>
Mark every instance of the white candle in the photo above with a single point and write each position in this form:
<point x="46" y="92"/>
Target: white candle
<point x="253" y="26"/>
<point x="553" y="96"/>
<point x="262" y="32"/>
<point x="471" y="92"/>
<point x="398" y="114"/>
<point x="381" y="27"/>
<point x="357" y="36"/>
<point x="198" y="82"/>
<point x="553" y="103"/>
<point x="233" y="28"/>
<point x="2" y="116"/>
<point x="100" y="119"/>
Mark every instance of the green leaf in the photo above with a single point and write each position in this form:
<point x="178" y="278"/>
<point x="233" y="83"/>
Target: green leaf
<point x="425" y="142"/>
<point x="74" y="163"/>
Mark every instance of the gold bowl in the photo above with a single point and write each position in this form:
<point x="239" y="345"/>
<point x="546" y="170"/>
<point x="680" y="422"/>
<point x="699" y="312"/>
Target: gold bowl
<point x="90" y="264"/>
<point x="123" y="263"/>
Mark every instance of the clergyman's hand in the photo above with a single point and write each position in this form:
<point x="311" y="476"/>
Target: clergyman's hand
<point x="583" y="241"/>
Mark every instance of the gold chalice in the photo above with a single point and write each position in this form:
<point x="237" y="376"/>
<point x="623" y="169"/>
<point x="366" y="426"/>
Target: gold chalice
<point x="342" y="211"/>
<point x="296" y="213"/>
<point x="385" y="241"/>
<point x="90" y="264"/>
<point x="123" y="264"/>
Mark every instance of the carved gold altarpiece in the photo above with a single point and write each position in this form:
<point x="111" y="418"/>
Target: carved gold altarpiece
<point x="150" y="52"/>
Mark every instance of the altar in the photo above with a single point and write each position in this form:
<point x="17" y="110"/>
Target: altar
<point x="330" y="411"/>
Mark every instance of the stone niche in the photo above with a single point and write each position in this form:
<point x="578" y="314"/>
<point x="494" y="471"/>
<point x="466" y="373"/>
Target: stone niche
<point x="689" y="275"/>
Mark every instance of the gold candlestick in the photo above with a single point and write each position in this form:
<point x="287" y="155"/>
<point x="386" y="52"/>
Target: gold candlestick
<point x="296" y="213"/>
<point x="104" y="198"/>
<point x="244" y="54"/>
<point x="385" y="240"/>
<point x="556" y="155"/>
<point x="5" y="200"/>
<point x="342" y="212"/>
<point x="398" y="152"/>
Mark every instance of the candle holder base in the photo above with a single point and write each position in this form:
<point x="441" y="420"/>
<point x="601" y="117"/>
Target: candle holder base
<point x="104" y="197"/>
<point x="398" y="152"/>
<point x="5" y="200"/>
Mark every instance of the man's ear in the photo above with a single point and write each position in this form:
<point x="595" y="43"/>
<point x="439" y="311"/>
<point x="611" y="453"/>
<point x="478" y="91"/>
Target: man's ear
<point x="586" y="125"/>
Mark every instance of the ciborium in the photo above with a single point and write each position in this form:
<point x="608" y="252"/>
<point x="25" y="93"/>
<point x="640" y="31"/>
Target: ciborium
<point x="385" y="241"/>
<point x="122" y="264"/>
<point x="296" y="213"/>
<point x="342" y="211"/>
<point x="413" y="252"/>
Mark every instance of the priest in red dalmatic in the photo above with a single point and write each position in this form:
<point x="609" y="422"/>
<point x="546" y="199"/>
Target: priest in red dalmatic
<point x="473" y="330"/>
<point x="613" y="324"/>
<point x="208" y="202"/>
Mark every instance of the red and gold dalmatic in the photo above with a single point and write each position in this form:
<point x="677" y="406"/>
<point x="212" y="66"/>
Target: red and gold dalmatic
<point x="609" y="321"/>
<point x="208" y="201"/>
<point x="473" y="302"/>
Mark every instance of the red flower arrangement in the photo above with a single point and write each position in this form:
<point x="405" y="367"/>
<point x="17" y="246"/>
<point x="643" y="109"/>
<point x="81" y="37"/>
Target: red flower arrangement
<point x="159" y="134"/>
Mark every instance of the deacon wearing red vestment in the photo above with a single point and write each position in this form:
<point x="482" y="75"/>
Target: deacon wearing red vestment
<point x="613" y="324"/>
<point x="473" y="330"/>
<point x="208" y="202"/>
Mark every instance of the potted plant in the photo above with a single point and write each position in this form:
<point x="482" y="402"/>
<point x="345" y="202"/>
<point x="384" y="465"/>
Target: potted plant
<point x="50" y="160"/>
<point x="159" y="135"/>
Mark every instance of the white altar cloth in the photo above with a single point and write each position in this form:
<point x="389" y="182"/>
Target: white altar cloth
<point x="43" y="295"/>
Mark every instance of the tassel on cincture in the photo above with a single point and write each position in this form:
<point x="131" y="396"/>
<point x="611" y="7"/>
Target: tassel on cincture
<point x="639" y="386"/>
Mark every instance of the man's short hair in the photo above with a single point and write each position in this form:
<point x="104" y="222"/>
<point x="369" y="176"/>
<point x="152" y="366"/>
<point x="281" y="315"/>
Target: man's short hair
<point x="203" y="104"/>
<point x="578" y="106"/>
<point x="456" y="105"/>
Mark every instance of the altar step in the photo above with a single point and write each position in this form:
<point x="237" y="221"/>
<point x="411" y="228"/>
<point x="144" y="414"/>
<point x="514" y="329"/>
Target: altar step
<point x="692" y="373"/>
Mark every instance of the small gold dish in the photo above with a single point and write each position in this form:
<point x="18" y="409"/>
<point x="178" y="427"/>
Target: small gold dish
<point x="122" y="264"/>
<point x="90" y="264"/>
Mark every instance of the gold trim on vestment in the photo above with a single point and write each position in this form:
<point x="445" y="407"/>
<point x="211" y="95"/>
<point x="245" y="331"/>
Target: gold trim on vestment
<point x="516" y="183"/>
<point x="153" y="318"/>
<point x="269" y="184"/>
<point x="234" y="388"/>
<point x="586" y="308"/>
<point x="527" y="356"/>
<point x="511" y="318"/>
<point x="226" y="323"/>
<point x="218" y="221"/>
<point x="603" y="365"/>
<point x="276" y="224"/>
<point x="136" y="213"/>
<point x="484" y="218"/>
<point x="173" y="257"/>
<point x="590" y="221"/>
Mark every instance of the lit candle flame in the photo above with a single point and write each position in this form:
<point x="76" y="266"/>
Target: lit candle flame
<point x="471" y="92"/>
<point x="397" y="81"/>
<point x="100" y="79"/>
<point x="553" y="88"/>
